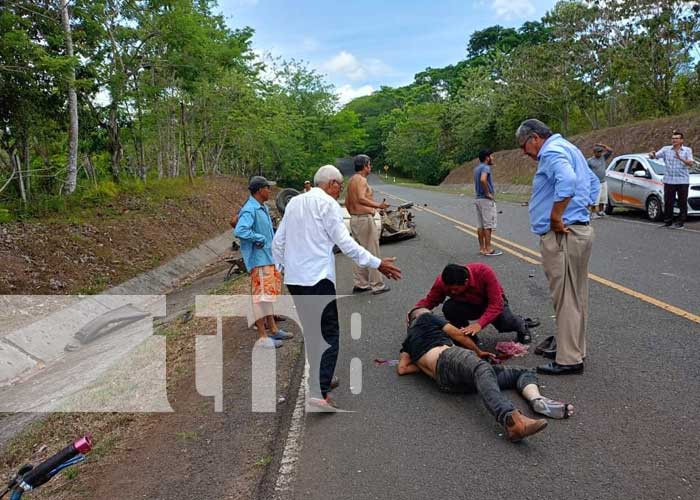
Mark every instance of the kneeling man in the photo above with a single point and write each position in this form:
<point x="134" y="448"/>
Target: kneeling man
<point x="430" y="348"/>
<point x="475" y="294"/>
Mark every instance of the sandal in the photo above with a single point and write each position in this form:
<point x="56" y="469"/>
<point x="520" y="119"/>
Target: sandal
<point x="531" y="322"/>
<point x="551" y="408"/>
<point x="546" y="345"/>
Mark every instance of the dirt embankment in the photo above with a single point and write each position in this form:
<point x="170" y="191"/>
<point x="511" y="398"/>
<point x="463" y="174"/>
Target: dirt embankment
<point x="115" y="243"/>
<point x="512" y="167"/>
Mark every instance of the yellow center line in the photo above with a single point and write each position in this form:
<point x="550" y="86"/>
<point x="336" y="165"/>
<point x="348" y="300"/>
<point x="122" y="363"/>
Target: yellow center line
<point x="462" y="226"/>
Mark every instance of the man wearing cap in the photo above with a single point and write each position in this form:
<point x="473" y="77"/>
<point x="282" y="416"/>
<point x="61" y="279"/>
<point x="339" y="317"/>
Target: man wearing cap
<point x="303" y="248"/>
<point x="307" y="186"/>
<point x="562" y="190"/>
<point x="362" y="208"/>
<point x="485" y="203"/>
<point x="598" y="163"/>
<point x="254" y="230"/>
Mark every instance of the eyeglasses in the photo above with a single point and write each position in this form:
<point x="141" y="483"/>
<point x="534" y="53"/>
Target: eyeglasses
<point x="524" y="144"/>
<point x="339" y="183"/>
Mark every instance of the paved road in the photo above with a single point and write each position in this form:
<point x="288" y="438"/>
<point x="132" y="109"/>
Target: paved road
<point x="635" y="434"/>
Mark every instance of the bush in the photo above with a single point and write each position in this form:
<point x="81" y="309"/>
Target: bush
<point x="98" y="195"/>
<point x="5" y="216"/>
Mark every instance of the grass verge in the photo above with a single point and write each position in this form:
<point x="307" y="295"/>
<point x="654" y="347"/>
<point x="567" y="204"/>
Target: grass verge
<point x="110" y="430"/>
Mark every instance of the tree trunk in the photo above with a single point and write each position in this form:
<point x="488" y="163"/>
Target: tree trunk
<point x="72" y="169"/>
<point x="20" y="179"/>
<point x="188" y="155"/>
<point x="114" y="144"/>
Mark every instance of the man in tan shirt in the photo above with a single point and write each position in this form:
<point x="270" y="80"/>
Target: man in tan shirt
<point x="362" y="208"/>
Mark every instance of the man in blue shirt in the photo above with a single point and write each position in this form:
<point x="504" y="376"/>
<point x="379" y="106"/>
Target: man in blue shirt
<point x="254" y="230"/>
<point x="562" y="190"/>
<point x="485" y="203"/>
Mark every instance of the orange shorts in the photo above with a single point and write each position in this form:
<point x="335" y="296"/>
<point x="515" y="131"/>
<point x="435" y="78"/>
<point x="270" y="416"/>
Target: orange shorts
<point x="265" y="283"/>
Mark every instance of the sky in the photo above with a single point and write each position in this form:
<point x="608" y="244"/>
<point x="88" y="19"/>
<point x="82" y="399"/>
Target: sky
<point x="361" y="45"/>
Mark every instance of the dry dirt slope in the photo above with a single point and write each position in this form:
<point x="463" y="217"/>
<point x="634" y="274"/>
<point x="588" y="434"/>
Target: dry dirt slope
<point x="512" y="167"/>
<point x="124" y="238"/>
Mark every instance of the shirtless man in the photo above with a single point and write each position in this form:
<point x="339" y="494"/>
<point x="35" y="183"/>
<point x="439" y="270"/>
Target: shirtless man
<point x="362" y="208"/>
<point x="430" y="348"/>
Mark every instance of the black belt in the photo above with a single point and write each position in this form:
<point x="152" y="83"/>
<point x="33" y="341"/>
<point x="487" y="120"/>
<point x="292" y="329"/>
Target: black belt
<point x="578" y="223"/>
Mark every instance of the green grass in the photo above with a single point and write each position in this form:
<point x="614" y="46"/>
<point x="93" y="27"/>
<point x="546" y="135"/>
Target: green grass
<point x="263" y="461"/>
<point x="186" y="436"/>
<point x="103" y="199"/>
<point x="70" y="473"/>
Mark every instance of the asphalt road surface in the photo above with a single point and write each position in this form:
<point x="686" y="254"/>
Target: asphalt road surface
<point x="636" y="432"/>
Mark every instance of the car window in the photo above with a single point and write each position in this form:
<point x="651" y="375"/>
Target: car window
<point x="635" y="166"/>
<point x="658" y="167"/>
<point x="620" y="165"/>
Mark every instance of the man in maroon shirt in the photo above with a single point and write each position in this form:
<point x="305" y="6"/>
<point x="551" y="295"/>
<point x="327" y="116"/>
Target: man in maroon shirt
<point x="475" y="294"/>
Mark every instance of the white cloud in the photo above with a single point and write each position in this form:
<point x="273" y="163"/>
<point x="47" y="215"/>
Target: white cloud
<point x="347" y="93"/>
<point x="347" y="65"/>
<point x="514" y="8"/>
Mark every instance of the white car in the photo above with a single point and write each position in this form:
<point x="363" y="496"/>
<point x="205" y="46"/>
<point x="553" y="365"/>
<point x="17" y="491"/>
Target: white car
<point x="637" y="181"/>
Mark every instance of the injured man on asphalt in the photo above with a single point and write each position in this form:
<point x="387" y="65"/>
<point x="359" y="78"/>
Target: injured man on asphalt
<point x="430" y="348"/>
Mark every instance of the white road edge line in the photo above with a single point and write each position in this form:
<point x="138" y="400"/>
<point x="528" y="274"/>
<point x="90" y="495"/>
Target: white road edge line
<point x="293" y="444"/>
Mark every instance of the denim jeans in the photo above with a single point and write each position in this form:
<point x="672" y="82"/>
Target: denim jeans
<point x="319" y="321"/>
<point x="460" y="370"/>
<point x="460" y="313"/>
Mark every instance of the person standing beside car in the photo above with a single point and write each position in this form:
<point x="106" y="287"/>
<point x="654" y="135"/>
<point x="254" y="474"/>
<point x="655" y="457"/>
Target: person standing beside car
<point x="362" y="208"/>
<point x="598" y="163"/>
<point x="677" y="159"/>
<point x="485" y="203"/>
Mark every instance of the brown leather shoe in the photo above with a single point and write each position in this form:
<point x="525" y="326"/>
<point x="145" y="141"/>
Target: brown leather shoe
<point x="518" y="426"/>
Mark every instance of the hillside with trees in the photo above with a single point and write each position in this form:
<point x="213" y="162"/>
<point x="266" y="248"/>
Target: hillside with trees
<point x="586" y="65"/>
<point x="97" y="92"/>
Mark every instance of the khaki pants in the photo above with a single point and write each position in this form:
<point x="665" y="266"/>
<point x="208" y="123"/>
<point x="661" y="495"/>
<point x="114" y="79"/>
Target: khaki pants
<point x="366" y="234"/>
<point x="565" y="260"/>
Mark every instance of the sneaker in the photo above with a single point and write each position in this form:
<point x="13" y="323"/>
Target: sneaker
<point x="518" y="426"/>
<point x="270" y="343"/>
<point x="601" y="214"/>
<point x="321" y="405"/>
<point x="358" y="289"/>
<point x="281" y="335"/>
<point x="667" y="223"/>
<point x="679" y="225"/>
<point x="595" y="216"/>
<point x="493" y="253"/>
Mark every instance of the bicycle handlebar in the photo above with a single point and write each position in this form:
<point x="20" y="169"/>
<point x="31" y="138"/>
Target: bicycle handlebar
<point x="43" y="472"/>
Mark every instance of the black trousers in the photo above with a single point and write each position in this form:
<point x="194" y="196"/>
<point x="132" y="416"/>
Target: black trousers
<point x="670" y="191"/>
<point x="461" y="313"/>
<point x="318" y="313"/>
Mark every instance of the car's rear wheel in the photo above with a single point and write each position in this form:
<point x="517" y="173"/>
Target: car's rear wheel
<point x="609" y="208"/>
<point x="654" y="210"/>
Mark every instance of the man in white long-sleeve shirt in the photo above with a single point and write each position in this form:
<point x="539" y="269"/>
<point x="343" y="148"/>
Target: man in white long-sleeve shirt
<point x="303" y="249"/>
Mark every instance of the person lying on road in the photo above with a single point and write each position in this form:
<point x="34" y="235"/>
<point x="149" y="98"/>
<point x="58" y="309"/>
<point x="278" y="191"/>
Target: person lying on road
<point x="430" y="348"/>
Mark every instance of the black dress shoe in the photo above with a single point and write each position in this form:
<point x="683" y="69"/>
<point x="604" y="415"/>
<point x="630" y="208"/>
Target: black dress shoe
<point x="357" y="289"/>
<point x="555" y="368"/>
